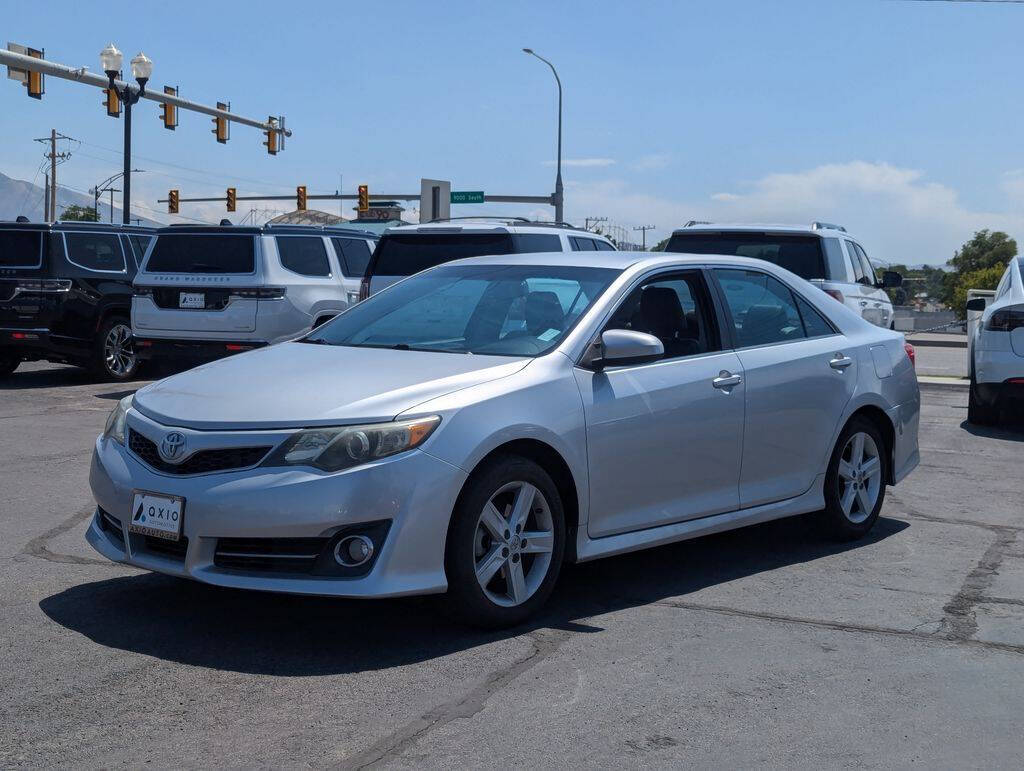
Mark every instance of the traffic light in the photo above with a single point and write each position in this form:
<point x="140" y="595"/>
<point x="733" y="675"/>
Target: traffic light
<point x="220" y="124"/>
<point x="231" y="199"/>
<point x="169" y="112"/>
<point x="364" y="198"/>
<point x="34" y="82"/>
<point x="172" y="202"/>
<point x="112" y="102"/>
<point x="300" y="198"/>
<point x="271" y="142"/>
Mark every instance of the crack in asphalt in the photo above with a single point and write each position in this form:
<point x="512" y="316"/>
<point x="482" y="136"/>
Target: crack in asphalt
<point x="38" y="546"/>
<point x="911" y="513"/>
<point x="545" y="643"/>
<point x="960" y="622"/>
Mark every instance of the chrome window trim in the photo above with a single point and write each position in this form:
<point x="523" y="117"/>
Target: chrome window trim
<point x="117" y="237"/>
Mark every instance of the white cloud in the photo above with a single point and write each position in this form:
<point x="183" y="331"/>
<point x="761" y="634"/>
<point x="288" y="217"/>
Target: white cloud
<point x="651" y="162"/>
<point x="583" y="162"/>
<point x="898" y="214"/>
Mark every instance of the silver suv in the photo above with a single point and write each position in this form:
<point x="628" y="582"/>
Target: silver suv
<point x="824" y="254"/>
<point x="208" y="291"/>
<point x="409" y="249"/>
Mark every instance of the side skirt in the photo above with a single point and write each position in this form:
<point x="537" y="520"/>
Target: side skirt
<point x="595" y="548"/>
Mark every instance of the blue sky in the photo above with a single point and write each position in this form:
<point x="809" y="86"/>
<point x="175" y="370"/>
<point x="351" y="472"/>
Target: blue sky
<point x="900" y="119"/>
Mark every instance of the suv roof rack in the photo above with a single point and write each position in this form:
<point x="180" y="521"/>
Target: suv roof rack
<point x="826" y="226"/>
<point x="509" y="221"/>
<point x="691" y="223"/>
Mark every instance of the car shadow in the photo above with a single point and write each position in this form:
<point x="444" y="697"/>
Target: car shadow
<point x="275" y="634"/>
<point x="1012" y="430"/>
<point x="57" y="377"/>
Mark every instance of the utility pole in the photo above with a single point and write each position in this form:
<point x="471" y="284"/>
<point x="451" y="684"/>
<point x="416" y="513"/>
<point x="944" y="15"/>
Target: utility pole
<point x="46" y="199"/>
<point x="644" y="229"/>
<point x="595" y="220"/>
<point x="54" y="156"/>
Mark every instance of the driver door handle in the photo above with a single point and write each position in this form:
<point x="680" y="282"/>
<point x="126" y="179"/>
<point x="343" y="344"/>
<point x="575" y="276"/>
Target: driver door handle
<point x="840" y="361"/>
<point x="726" y="379"/>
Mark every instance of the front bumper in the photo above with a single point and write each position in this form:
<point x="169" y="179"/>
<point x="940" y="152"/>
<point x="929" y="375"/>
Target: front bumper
<point x="196" y="351"/>
<point x="414" y="492"/>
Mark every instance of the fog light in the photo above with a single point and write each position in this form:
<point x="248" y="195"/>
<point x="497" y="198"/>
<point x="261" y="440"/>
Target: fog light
<point x="353" y="551"/>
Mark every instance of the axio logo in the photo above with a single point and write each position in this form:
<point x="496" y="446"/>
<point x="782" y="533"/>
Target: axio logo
<point x="172" y="448"/>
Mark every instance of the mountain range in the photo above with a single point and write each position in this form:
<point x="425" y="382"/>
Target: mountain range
<point x="21" y="198"/>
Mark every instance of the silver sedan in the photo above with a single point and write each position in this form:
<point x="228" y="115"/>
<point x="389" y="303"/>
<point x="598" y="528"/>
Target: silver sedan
<point x="473" y="427"/>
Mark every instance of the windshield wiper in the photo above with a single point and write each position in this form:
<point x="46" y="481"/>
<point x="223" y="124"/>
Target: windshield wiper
<point x="313" y="341"/>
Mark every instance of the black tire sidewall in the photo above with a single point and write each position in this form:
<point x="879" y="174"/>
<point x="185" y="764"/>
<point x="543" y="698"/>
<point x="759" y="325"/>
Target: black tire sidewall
<point x="836" y="523"/>
<point x="465" y="599"/>
<point x="99" y="363"/>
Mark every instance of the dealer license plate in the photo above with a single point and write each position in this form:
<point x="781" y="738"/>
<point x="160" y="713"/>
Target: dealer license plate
<point x="157" y="515"/>
<point x="191" y="300"/>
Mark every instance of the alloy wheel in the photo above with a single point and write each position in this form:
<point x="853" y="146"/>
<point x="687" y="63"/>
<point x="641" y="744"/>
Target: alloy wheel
<point x="860" y="477"/>
<point x="119" y="351"/>
<point x="513" y="543"/>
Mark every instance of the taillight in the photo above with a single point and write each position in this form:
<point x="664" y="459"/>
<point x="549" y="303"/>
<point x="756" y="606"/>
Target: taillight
<point x="44" y="286"/>
<point x="263" y="293"/>
<point x="1005" y="321"/>
<point x="364" y="289"/>
<point x="911" y="354"/>
<point x="834" y="293"/>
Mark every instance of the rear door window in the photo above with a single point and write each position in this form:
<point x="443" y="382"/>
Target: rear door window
<point x="202" y="253"/>
<point x="21" y="249"/>
<point x="800" y="254"/>
<point x="100" y="252"/>
<point x="580" y="244"/>
<point x="536" y="242"/>
<point x="304" y="255"/>
<point x="407" y="253"/>
<point x="865" y="266"/>
<point x="354" y="254"/>
<point x="763" y="309"/>
<point x="815" y="324"/>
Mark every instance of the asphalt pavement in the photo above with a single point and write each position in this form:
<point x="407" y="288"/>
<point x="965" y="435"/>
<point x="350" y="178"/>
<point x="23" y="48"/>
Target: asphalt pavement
<point x="765" y="646"/>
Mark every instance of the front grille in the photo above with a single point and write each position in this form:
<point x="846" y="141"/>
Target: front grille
<point x="111" y="526"/>
<point x="168" y="298"/>
<point x="166" y="548"/>
<point x="269" y="555"/>
<point x="202" y="462"/>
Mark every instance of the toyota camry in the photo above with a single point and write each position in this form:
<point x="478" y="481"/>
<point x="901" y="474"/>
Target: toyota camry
<point x="471" y="428"/>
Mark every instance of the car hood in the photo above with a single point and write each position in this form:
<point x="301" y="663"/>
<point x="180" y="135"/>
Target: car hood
<point x="300" y="384"/>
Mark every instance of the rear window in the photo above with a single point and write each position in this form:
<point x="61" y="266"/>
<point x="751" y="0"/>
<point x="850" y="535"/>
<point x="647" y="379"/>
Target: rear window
<point x="21" y="249"/>
<point x="95" y="251"/>
<point x="304" y="255"/>
<point x="408" y="253"/>
<point x="354" y="254"/>
<point x="202" y="253"/>
<point x="800" y="254"/>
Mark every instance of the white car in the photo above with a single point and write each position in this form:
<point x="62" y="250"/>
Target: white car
<point x="997" y="348"/>
<point x="207" y="291"/>
<point x="405" y="250"/>
<point x="824" y="254"/>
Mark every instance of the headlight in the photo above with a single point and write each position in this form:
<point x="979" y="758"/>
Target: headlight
<point x="341" y="447"/>
<point x="115" y="423"/>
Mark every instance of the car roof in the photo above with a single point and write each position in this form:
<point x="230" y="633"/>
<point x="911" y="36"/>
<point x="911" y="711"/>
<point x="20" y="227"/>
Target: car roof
<point x="817" y="228"/>
<point x="64" y="225"/>
<point x="492" y="225"/>
<point x="614" y="260"/>
<point x="268" y="229"/>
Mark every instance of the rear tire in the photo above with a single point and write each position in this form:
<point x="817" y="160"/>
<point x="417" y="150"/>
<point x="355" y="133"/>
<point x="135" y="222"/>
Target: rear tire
<point x="978" y="412"/>
<point x="113" y="357"/>
<point x="505" y="544"/>
<point x="855" y="481"/>
<point x="8" y="363"/>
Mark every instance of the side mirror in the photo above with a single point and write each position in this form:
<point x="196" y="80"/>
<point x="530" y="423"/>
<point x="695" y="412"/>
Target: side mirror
<point x="976" y="304"/>
<point x="624" y="346"/>
<point x="891" y="279"/>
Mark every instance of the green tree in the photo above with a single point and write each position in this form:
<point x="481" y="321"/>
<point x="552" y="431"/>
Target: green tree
<point x="985" y="278"/>
<point x="986" y="249"/>
<point x="660" y="246"/>
<point x="76" y="213"/>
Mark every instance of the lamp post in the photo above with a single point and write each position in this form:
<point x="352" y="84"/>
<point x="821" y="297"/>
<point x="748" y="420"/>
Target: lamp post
<point x="142" y="68"/>
<point x="106" y="187"/>
<point x="558" y="176"/>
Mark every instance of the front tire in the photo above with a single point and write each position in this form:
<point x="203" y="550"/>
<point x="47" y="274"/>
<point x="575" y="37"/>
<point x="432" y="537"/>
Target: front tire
<point x="114" y="356"/>
<point x="505" y="544"/>
<point x="855" y="481"/>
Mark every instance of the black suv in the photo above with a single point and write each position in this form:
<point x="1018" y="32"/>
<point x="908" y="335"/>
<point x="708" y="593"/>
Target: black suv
<point x="66" y="295"/>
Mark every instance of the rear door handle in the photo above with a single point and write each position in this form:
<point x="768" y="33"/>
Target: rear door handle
<point x="839" y="361"/>
<point x="863" y="303"/>
<point x="726" y="379"/>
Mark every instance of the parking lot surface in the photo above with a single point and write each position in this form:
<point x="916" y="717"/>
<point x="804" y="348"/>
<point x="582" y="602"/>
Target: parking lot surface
<point x="765" y="646"/>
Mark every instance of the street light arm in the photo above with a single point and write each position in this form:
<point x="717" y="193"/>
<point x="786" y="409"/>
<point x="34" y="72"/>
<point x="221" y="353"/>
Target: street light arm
<point x="558" y="198"/>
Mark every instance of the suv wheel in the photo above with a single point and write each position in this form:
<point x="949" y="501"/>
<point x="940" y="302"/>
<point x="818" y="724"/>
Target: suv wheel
<point x="855" y="481"/>
<point x="8" y="363"/>
<point x="505" y="544"/>
<point x="114" y="354"/>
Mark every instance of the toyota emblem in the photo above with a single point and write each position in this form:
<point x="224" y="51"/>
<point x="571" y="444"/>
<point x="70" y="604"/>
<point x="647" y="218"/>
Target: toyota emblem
<point x="172" y="448"/>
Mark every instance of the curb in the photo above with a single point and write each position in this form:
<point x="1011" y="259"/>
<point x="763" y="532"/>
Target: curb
<point x="943" y="383"/>
<point x="936" y="343"/>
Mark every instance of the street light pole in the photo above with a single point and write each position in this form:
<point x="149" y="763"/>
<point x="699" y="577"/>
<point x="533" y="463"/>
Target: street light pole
<point x="104" y="187"/>
<point x="558" y="197"/>
<point x="142" y="68"/>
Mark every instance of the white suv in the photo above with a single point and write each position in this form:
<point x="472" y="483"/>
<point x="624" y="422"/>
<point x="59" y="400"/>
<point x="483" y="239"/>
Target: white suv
<point x="206" y="291"/>
<point x="824" y="254"/>
<point x="408" y="249"/>
<point x="997" y="348"/>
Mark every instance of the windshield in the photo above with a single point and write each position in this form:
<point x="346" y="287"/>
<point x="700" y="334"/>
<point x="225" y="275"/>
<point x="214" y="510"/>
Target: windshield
<point x="799" y="254"/>
<point x="408" y="253"/>
<point x="202" y="253"/>
<point x="504" y="310"/>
